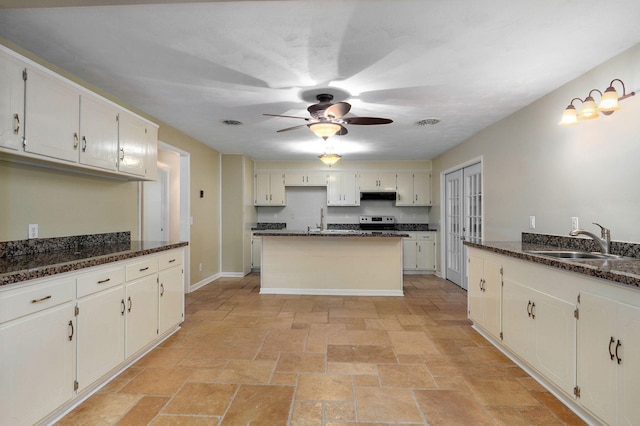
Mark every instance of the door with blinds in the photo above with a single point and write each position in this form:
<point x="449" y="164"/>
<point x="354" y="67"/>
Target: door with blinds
<point x="463" y="218"/>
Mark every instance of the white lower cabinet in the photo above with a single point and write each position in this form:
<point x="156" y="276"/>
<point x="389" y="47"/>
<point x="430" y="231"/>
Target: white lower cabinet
<point x="609" y="367"/>
<point x="37" y="351"/>
<point x="418" y="251"/>
<point x="256" y="251"/>
<point x="542" y="330"/>
<point x="485" y="293"/>
<point x="61" y="338"/>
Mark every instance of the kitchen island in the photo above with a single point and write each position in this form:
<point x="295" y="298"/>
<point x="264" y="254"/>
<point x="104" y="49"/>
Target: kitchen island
<point x="331" y="262"/>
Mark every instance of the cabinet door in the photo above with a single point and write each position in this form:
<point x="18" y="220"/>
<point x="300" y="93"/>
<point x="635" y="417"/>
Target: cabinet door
<point x="426" y="255"/>
<point x="351" y="196"/>
<point x="597" y="337"/>
<point x="100" y="324"/>
<point x="98" y="134"/>
<point x="553" y="341"/>
<point x="474" y="288"/>
<point x="516" y="309"/>
<point x="369" y="181"/>
<point x="142" y="313"/>
<point x="256" y="251"/>
<point x="262" y="189"/>
<point x="409" y="254"/>
<point x="171" y="298"/>
<point x="11" y="102"/>
<point x="52" y="117"/>
<point x="316" y="179"/>
<point x="404" y="191"/>
<point x="629" y="367"/>
<point x="295" y="179"/>
<point x="493" y="298"/>
<point x="422" y="189"/>
<point x="334" y="189"/>
<point x="387" y="181"/>
<point x="37" y="354"/>
<point x="277" y="189"/>
<point x="133" y="137"/>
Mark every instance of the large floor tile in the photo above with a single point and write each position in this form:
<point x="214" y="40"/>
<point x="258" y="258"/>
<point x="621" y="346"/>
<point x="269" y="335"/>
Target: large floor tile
<point x="260" y="405"/>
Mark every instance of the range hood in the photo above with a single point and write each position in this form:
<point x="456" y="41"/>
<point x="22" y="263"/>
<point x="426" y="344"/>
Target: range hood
<point x="389" y="195"/>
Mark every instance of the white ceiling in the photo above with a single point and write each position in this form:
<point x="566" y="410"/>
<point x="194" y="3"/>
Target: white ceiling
<point x="194" y="64"/>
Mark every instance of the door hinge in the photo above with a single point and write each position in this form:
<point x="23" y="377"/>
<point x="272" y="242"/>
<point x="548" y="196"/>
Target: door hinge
<point x="576" y="313"/>
<point x="77" y="311"/>
<point x="576" y="391"/>
<point x="24" y="74"/>
<point x="76" y="385"/>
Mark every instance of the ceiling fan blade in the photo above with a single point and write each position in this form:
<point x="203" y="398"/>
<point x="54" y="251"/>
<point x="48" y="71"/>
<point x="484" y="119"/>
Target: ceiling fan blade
<point x="367" y="120"/>
<point x="287" y="116"/>
<point x="337" y="110"/>
<point x="291" y="128"/>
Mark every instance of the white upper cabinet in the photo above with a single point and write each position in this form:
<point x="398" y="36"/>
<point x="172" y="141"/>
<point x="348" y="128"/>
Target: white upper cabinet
<point x="133" y="140"/>
<point x="413" y="189"/>
<point x="52" y="114"/>
<point x="98" y="133"/>
<point x="11" y="102"/>
<point x="305" y="179"/>
<point x="342" y="189"/>
<point x="377" y="181"/>
<point x="269" y="189"/>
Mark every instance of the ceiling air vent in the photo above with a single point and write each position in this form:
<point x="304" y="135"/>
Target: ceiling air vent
<point x="232" y="122"/>
<point x="428" y="122"/>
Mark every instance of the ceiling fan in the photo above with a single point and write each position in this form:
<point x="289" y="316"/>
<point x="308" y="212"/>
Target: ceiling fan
<point x="327" y="118"/>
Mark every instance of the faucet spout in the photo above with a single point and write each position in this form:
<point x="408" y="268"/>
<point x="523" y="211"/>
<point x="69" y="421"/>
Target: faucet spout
<point x="604" y="241"/>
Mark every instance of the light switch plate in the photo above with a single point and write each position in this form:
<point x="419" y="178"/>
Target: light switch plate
<point x="532" y="222"/>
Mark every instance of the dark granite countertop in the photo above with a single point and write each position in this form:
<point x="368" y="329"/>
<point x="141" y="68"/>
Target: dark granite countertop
<point x="15" y="269"/>
<point x="624" y="271"/>
<point x="350" y="233"/>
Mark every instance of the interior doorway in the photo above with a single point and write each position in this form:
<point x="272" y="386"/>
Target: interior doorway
<point x="462" y="217"/>
<point x="155" y="211"/>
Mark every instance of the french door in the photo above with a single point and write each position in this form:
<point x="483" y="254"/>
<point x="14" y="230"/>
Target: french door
<point x="463" y="218"/>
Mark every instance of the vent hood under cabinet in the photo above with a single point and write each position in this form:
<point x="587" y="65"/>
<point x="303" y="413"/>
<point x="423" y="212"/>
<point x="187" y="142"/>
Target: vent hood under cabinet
<point x="378" y="195"/>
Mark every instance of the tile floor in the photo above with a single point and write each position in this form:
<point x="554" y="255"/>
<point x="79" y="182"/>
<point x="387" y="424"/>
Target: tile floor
<point x="241" y="358"/>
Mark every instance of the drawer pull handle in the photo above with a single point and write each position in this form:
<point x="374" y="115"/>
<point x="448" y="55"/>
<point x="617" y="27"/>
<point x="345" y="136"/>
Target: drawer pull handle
<point x="16" y="130"/>
<point x="130" y="304"/>
<point x="144" y="269"/>
<point x="75" y="141"/>
<point x="533" y="314"/>
<point x="42" y="299"/>
<point x="104" y="281"/>
<point x="529" y="308"/>
<point x="84" y="144"/>
<point x="161" y="290"/>
<point x="71" y="335"/>
<point x="172" y="260"/>
<point x="124" y="307"/>
<point x="611" y="342"/>
<point x="617" y="348"/>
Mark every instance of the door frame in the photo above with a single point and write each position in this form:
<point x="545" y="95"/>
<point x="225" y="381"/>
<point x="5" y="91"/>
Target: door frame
<point x="443" y="248"/>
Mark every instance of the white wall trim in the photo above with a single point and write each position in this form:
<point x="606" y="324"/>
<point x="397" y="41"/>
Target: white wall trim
<point x="204" y="282"/>
<point x="331" y="292"/>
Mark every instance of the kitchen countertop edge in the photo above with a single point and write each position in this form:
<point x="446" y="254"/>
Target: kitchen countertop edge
<point x="621" y="271"/>
<point x="137" y="249"/>
<point x="332" y="233"/>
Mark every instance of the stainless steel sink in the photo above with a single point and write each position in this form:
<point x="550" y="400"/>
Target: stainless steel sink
<point x="568" y="254"/>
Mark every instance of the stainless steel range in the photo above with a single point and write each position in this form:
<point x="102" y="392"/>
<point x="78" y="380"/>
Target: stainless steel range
<point x="378" y="223"/>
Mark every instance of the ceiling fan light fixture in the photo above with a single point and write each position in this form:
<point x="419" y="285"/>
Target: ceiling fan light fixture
<point x="329" y="159"/>
<point x="325" y="129"/>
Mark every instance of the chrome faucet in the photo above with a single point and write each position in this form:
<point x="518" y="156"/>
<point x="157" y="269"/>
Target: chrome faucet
<point x="604" y="241"/>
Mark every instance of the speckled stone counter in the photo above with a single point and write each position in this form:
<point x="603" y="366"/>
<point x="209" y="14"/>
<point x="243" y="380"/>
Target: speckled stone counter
<point x="15" y="269"/>
<point x="624" y="271"/>
<point x="331" y="233"/>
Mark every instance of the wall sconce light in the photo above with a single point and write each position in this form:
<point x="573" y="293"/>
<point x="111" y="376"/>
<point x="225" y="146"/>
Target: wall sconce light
<point x="329" y="159"/>
<point x="588" y="111"/>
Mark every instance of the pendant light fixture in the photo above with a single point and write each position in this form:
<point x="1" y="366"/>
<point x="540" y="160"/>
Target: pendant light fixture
<point x="329" y="159"/>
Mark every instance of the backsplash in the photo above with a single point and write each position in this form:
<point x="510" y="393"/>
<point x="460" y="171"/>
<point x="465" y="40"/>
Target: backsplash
<point x="45" y="245"/>
<point x="584" y="244"/>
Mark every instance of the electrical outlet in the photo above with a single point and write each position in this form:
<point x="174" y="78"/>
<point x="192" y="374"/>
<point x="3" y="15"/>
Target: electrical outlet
<point x="574" y="223"/>
<point x="532" y="222"/>
<point x="33" y="230"/>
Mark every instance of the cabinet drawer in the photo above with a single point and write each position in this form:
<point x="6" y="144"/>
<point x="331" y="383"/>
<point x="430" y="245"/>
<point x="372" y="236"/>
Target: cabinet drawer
<point x="170" y="259"/>
<point x="34" y="298"/>
<point x="100" y="280"/>
<point x="429" y="236"/>
<point x="412" y="235"/>
<point x="142" y="268"/>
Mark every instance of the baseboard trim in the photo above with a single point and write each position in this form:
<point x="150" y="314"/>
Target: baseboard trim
<point x="330" y="292"/>
<point x="202" y="283"/>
